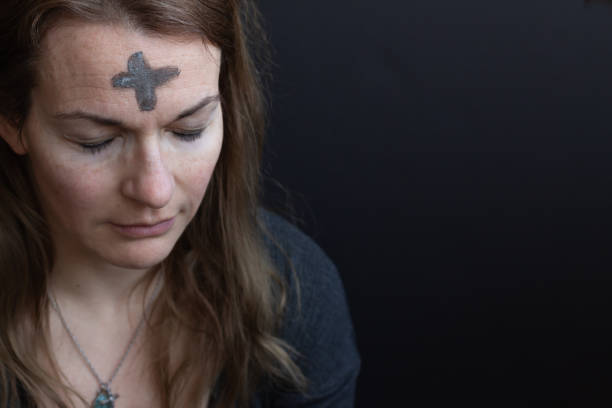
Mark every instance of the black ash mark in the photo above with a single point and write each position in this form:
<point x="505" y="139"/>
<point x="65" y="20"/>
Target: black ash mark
<point x="144" y="80"/>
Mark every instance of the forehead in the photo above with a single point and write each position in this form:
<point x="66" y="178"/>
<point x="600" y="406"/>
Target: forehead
<point x="79" y="60"/>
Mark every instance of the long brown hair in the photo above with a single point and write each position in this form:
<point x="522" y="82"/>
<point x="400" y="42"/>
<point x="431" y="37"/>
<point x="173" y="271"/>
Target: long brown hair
<point x="222" y="300"/>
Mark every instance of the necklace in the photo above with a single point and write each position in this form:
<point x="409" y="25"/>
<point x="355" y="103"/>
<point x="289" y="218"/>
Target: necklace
<point x="104" y="398"/>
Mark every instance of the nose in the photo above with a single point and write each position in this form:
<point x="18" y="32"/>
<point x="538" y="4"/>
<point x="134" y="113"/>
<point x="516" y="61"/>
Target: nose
<point x="149" y="181"/>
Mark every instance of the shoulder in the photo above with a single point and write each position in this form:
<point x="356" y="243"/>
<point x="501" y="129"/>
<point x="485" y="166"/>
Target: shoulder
<point x="312" y="278"/>
<point x="317" y="323"/>
<point x="290" y="247"/>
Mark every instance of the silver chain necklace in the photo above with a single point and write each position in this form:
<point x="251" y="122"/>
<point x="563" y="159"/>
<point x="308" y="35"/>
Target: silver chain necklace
<point x="104" y="398"/>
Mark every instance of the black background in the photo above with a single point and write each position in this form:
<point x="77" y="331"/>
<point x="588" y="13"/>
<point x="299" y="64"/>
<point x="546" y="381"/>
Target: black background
<point x="453" y="159"/>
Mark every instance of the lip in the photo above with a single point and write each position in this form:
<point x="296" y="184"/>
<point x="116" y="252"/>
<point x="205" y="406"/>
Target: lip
<point x="144" y="230"/>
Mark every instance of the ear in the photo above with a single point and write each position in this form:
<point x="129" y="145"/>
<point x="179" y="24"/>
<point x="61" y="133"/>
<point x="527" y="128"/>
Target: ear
<point x="12" y="136"/>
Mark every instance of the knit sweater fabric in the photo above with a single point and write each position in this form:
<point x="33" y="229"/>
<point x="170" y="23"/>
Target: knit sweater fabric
<point x="320" y="329"/>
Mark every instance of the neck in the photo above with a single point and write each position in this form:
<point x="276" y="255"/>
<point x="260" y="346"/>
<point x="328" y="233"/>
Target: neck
<point x="103" y="290"/>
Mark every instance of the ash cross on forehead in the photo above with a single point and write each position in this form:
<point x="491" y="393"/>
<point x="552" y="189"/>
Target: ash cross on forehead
<point x="144" y="80"/>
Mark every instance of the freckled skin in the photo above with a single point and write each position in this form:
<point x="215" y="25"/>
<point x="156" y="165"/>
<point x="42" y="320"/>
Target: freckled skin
<point x="146" y="174"/>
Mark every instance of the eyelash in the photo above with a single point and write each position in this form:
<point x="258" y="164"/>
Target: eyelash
<point x="94" y="148"/>
<point x="189" y="136"/>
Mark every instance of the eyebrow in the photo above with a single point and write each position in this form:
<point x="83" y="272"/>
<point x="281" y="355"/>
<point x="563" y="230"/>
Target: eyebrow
<point x="101" y="120"/>
<point x="204" y="102"/>
<point x="89" y="116"/>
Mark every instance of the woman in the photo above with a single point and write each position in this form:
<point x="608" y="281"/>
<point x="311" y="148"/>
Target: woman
<point x="137" y="267"/>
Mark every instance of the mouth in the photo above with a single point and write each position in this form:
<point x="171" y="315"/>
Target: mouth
<point x="144" y="230"/>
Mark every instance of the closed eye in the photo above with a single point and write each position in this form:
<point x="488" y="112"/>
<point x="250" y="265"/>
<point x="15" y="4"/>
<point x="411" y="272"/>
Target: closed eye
<point x="94" y="148"/>
<point x="188" y="135"/>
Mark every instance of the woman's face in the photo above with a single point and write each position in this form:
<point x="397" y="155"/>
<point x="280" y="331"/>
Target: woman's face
<point x="122" y="153"/>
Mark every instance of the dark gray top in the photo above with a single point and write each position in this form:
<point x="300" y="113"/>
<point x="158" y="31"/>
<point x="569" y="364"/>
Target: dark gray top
<point x="322" y="331"/>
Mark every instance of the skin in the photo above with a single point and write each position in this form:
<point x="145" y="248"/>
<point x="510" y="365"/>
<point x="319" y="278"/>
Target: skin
<point x="144" y="175"/>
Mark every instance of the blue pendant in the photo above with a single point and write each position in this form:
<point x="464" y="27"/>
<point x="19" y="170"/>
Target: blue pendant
<point x="105" y="399"/>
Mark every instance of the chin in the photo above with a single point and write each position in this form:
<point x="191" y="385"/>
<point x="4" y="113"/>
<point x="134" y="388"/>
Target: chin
<point x="145" y="257"/>
<point x="136" y="264"/>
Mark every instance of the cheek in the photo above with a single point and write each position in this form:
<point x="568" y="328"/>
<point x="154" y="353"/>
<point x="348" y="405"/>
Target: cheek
<point x="200" y="170"/>
<point x="66" y="192"/>
<point x="198" y="175"/>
